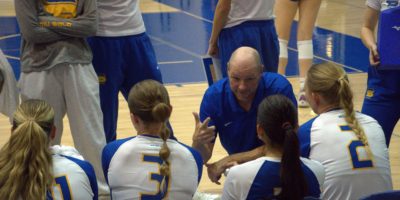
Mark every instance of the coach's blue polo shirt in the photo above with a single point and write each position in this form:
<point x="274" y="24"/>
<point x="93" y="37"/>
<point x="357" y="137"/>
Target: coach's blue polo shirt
<point x="235" y="126"/>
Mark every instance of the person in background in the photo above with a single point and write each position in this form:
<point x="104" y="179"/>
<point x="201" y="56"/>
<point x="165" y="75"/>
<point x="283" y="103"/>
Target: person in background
<point x="383" y="86"/>
<point x="240" y="23"/>
<point x="285" y="11"/>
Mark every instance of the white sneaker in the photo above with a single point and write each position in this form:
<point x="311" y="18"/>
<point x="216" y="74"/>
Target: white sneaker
<point x="302" y="101"/>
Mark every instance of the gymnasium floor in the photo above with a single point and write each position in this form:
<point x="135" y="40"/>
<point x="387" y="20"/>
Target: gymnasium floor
<point x="179" y="30"/>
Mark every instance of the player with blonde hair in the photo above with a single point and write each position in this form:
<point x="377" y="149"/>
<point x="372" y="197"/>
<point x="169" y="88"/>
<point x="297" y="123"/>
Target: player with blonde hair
<point x="350" y="145"/>
<point x="29" y="168"/>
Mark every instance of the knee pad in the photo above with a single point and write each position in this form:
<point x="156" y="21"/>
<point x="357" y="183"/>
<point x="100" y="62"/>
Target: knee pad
<point x="283" y="50"/>
<point x="305" y="48"/>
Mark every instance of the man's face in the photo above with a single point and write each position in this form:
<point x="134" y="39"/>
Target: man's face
<point x="243" y="79"/>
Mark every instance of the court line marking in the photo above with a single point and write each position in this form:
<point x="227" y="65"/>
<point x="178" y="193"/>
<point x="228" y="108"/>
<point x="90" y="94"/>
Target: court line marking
<point x="11" y="57"/>
<point x="182" y="50"/>
<point x="196" y="16"/>
<point x="175" y="62"/>
<point x="9" y="36"/>
<point x="175" y="46"/>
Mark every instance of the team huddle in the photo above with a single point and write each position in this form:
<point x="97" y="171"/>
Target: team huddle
<point x="76" y="57"/>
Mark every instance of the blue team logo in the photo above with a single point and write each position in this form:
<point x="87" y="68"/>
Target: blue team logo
<point x="397" y="28"/>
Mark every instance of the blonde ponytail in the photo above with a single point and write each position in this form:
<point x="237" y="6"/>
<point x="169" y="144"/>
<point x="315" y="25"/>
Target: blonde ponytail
<point x="25" y="160"/>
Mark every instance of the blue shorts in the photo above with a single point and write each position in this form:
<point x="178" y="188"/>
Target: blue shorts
<point x="120" y="62"/>
<point x="260" y="35"/>
<point x="382" y="98"/>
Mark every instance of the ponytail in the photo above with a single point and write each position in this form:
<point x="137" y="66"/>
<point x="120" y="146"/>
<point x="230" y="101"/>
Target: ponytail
<point x="346" y="102"/>
<point x="278" y="117"/>
<point x="25" y="160"/>
<point x="293" y="182"/>
<point x="161" y="113"/>
<point x="149" y="100"/>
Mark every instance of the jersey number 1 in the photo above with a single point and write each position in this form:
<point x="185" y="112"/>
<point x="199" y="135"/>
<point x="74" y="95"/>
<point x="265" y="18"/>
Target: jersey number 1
<point x="62" y="188"/>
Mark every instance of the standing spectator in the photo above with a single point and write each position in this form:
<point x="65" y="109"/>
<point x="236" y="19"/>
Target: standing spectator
<point x="244" y="23"/>
<point x="56" y="67"/>
<point x="383" y="90"/>
<point x="285" y="12"/>
<point x="122" y="56"/>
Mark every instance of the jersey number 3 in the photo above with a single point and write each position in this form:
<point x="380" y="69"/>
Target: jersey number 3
<point x="160" y="193"/>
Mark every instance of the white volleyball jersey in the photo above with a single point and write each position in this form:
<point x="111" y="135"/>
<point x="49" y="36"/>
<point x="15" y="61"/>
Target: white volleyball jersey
<point x="119" y="18"/>
<point x="242" y="11"/>
<point x="260" y="179"/>
<point x="73" y="179"/>
<point x="132" y="169"/>
<point x="350" y="172"/>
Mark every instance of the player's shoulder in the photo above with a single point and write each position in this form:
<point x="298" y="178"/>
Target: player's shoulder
<point x="364" y="118"/>
<point x="244" y="170"/>
<point x="115" y="145"/>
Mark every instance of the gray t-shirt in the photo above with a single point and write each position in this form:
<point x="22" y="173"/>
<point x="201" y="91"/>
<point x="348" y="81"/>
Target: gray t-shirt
<point x="54" y="33"/>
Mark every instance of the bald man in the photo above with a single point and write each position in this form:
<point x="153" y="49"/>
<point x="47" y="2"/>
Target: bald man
<point x="231" y="106"/>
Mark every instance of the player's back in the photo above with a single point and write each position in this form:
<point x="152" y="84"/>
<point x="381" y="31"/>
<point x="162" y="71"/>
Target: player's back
<point x="350" y="172"/>
<point x="132" y="169"/>
<point x="74" y="179"/>
<point x="260" y="179"/>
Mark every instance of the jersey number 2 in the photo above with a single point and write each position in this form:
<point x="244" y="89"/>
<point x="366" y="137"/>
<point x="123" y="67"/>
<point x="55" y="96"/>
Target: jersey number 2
<point x="355" y="159"/>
